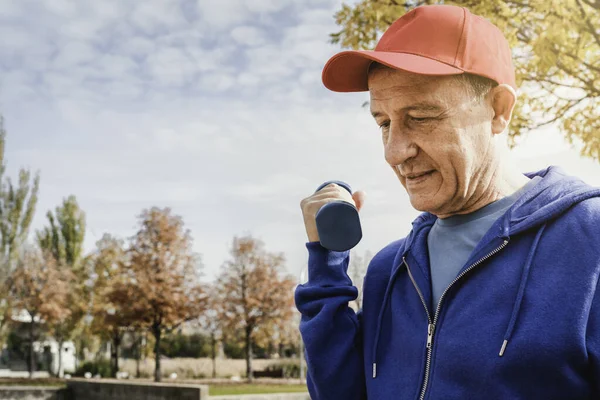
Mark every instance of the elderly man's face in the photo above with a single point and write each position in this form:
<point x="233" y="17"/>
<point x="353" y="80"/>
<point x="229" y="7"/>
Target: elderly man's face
<point x="433" y="124"/>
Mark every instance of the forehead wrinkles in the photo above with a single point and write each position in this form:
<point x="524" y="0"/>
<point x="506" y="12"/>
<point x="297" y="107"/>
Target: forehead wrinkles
<point x="385" y="83"/>
<point x="396" y="92"/>
<point x="390" y="92"/>
<point x="398" y="97"/>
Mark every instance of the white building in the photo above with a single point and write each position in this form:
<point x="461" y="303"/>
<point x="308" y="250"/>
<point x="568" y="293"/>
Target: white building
<point x="47" y="350"/>
<point x="69" y="359"/>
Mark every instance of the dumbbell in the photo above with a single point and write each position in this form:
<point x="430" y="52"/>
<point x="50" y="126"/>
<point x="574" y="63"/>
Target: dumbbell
<point x="338" y="223"/>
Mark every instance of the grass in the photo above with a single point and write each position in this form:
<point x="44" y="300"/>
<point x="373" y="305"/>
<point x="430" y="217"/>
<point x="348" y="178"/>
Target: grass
<point x="32" y="382"/>
<point x="244" y="388"/>
<point x="215" y="389"/>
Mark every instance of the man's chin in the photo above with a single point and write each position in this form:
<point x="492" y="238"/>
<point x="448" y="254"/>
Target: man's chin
<point x="418" y="205"/>
<point x="422" y="205"/>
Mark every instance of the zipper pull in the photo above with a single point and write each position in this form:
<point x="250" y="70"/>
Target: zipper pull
<point x="430" y="329"/>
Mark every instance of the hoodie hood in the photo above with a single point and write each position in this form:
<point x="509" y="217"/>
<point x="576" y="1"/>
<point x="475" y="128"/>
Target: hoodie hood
<point x="552" y="196"/>
<point x="549" y="198"/>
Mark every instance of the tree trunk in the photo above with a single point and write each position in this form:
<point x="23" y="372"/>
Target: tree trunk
<point x="137" y="367"/>
<point x="30" y="366"/>
<point x="59" y="372"/>
<point x="280" y="349"/>
<point x="116" y="341"/>
<point x="157" y="331"/>
<point x="138" y="354"/>
<point x="80" y="355"/>
<point x="249" y="372"/>
<point x="117" y="344"/>
<point x="213" y="344"/>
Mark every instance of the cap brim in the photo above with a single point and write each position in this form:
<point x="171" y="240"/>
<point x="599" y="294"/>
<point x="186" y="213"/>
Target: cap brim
<point x="347" y="71"/>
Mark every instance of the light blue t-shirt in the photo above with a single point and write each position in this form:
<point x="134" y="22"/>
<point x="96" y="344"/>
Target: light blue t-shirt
<point x="451" y="240"/>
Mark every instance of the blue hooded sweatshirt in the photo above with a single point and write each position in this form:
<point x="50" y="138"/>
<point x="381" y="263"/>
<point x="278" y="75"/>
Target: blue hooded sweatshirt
<point x="520" y="321"/>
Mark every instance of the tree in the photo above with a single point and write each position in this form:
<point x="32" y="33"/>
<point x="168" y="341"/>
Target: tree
<point x="254" y="291"/>
<point x="162" y="280"/>
<point x="17" y="207"/>
<point x="140" y="340"/>
<point x="277" y="336"/>
<point x="66" y="233"/>
<point x="110" y="309"/>
<point x="63" y="326"/>
<point x="211" y="323"/>
<point x="556" y="47"/>
<point x="63" y="238"/>
<point x="39" y="287"/>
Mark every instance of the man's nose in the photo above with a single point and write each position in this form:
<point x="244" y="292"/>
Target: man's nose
<point x="399" y="146"/>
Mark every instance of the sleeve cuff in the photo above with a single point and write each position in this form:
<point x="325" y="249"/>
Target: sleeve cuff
<point x="327" y="267"/>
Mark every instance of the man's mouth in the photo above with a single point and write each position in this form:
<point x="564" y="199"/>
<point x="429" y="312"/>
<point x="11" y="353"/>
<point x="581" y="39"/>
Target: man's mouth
<point x="416" y="175"/>
<point x="415" y="179"/>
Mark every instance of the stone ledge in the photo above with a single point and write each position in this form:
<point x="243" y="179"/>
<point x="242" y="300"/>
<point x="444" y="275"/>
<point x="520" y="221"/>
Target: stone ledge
<point x="32" y="393"/>
<point x="113" y="389"/>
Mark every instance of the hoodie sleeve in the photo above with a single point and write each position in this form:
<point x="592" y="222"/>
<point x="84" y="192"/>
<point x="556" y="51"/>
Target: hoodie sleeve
<point x="330" y="329"/>
<point x="593" y="343"/>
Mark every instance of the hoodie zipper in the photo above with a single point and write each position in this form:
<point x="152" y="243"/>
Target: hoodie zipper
<point x="431" y="324"/>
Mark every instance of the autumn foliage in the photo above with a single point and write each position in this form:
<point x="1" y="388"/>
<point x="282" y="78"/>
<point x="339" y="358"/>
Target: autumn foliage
<point x="111" y="315"/>
<point x="147" y="283"/>
<point x="255" y="293"/>
<point x="40" y="288"/>
<point x="161" y="284"/>
<point x="556" y="47"/>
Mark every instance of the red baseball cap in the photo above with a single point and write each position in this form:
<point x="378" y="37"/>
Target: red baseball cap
<point x="428" y="40"/>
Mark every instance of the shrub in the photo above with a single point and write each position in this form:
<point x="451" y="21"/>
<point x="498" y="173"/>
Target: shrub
<point x="100" y="366"/>
<point x="179" y="345"/>
<point x="290" y="368"/>
<point x="233" y="350"/>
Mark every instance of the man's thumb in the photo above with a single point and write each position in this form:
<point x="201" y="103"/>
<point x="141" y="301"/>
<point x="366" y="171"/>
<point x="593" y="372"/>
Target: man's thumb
<point x="359" y="198"/>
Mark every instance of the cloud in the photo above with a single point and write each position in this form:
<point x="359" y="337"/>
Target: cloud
<point x="170" y="66"/>
<point x="136" y="47"/>
<point x="248" y="79"/>
<point x="157" y="17"/>
<point x="217" y="82"/>
<point x="74" y="53"/>
<point x="214" y="108"/>
<point x="270" y="189"/>
<point x="248" y="35"/>
<point x="222" y="15"/>
<point x="267" y="6"/>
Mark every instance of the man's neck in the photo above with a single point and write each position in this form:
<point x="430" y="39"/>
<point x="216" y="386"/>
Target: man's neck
<point x="503" y="184"/>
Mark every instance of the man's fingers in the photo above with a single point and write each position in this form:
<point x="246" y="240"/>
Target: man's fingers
<point x="359" y="198"/>
<point x="330" y="193"/>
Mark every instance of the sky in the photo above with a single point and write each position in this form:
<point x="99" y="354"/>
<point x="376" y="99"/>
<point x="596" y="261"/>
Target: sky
<point x="212" y="108"/>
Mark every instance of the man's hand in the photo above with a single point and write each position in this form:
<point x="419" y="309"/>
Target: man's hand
<point x="312" y="204"/>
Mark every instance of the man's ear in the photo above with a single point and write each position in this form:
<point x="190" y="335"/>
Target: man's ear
<point x="503" y="98"/>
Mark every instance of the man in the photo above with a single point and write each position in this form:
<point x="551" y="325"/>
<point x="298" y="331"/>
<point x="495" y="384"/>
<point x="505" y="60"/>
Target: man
<point x="493" y="294"/>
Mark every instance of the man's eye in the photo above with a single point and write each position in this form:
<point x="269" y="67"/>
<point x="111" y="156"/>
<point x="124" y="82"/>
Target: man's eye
<point x="418" y="119"/>
<point x="384" y="125"/>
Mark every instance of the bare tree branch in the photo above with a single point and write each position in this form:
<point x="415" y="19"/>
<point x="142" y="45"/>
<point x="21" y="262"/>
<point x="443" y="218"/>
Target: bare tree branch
<point x="561" y="113"/>
<point x="591" y="27"/>
<point x="559" y="83"/>
<point x="588" y="83"/>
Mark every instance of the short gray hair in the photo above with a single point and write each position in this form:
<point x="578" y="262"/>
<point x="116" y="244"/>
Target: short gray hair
<point x="478" y="85"/>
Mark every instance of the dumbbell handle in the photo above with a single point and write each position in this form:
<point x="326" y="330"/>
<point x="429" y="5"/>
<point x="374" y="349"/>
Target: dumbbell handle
<point x="339" y="183"/>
